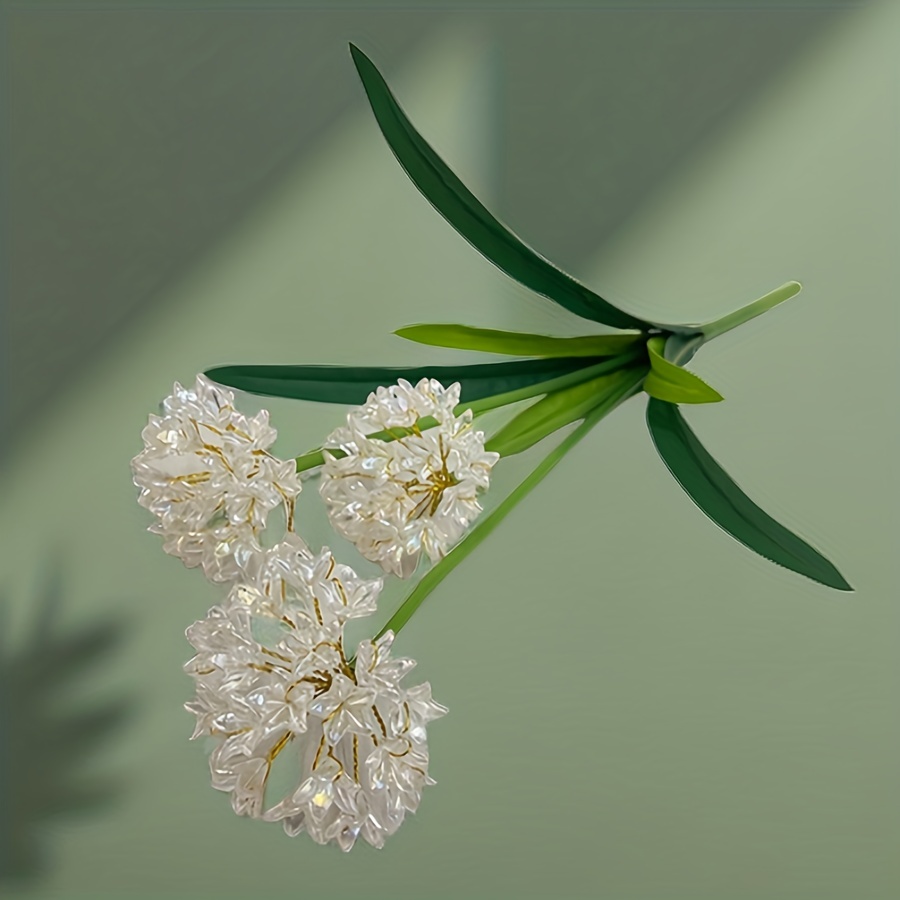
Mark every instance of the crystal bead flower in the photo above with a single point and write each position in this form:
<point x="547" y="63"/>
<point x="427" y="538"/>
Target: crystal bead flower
<point x="273" y="681"/>
<point x="396" y="499"/>
<point x="207" y="475"/>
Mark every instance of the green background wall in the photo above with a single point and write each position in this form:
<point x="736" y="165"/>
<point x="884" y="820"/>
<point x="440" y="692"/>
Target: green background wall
<point x="639" y="708"/>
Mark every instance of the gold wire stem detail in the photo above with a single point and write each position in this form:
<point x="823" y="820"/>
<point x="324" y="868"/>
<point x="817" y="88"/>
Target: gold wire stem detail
<point x="315" y="764"/>
<point x="290" y="506"/>
<point x="215" y="732"/>
<point x="339" y="585"/>
<point x="321" y="685"/>
<point x="272" y="754"/>
<point x="406" y="752"/>
<point x="380" y="720"/>
<point x="346" y="668"/>
<point x="330" y="753"/>
<point x="267" y="667"/>
<point x="191" y="478"/>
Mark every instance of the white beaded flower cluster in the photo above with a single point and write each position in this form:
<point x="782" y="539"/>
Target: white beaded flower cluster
<point x="273" y="677"/>
<point x="412" y="488"/>
<point x="207" y="475"/>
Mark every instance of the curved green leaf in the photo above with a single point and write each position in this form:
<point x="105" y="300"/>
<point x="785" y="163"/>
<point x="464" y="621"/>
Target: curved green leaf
<point x="670" y="382"/>
<point x="513" y="343"/>
<point x="711" y="488"/>
<point x="353" y="384"/>
<point x="456" y="203"/>
<point x="562" y="408"/>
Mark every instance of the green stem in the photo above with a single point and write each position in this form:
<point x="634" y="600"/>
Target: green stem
<point x="310" y="460"/>
<point x="442" y="569"/>
<point x="752" y="310"/>
<point x="555" y="384"/>
<point x="314" y="458"/>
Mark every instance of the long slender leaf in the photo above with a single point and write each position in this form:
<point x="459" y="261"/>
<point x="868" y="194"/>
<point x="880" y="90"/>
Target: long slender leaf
<point x="512" y="343"/>
<point x="353" y="384"/>
<point x="314" y="458"/>
<point x="712" y="489"/>
<point x="561" y="408"/>
<point x="434" y="576"/>
<point x="456" y="203"/>
<point x="610" y="364"/>
<point x="751" y="310"/>
<point x="667" y="381"/>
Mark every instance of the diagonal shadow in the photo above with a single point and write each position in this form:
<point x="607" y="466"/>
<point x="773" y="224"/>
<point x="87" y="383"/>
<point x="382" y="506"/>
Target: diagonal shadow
<point x="48" y="735"/>
<point x="132" y="142"/>
<point x="137" y="139"/>
<point x="601" y="107"/>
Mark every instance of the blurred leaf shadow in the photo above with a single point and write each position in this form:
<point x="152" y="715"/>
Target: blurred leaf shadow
<point x="49" y="729"/>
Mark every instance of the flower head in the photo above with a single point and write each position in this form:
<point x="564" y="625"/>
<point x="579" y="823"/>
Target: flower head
<point x="207" y="475"/>
<point x="273" y="681"/>
<point x="395" y="499"/>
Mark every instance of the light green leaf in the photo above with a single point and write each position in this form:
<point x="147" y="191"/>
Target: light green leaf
<point x="751" y="310"/>
<point x="512" y="343"/>
<point x="669" y="382"/>
<point x="562" y="408"/>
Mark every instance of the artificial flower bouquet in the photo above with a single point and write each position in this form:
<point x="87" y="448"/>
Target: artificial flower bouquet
<point x="401" y="481"/>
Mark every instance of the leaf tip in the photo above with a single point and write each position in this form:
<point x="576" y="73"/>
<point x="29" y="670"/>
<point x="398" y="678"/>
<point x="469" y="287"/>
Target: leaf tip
<point x="360" y="60"/>
<point x="409" y="333"/>
<point x="220" y="375"/>
<point x="841" y="584"/>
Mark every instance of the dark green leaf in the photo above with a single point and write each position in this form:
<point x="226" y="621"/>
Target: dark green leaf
<point x="561" y="408"/>
<point x="315" y="457"/>
<point x="513" y="343"/>
<point x="453" y="200"/>
<point x="711" y="488"/>
<point x="353" y="384"/>
<point x="670" y="382"/>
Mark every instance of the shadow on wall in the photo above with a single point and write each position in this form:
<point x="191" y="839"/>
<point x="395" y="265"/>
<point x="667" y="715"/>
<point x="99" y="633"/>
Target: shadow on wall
<point x="602" y="106"/>
<point x="48" y="732"/>
<point x="137" y="139"/>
